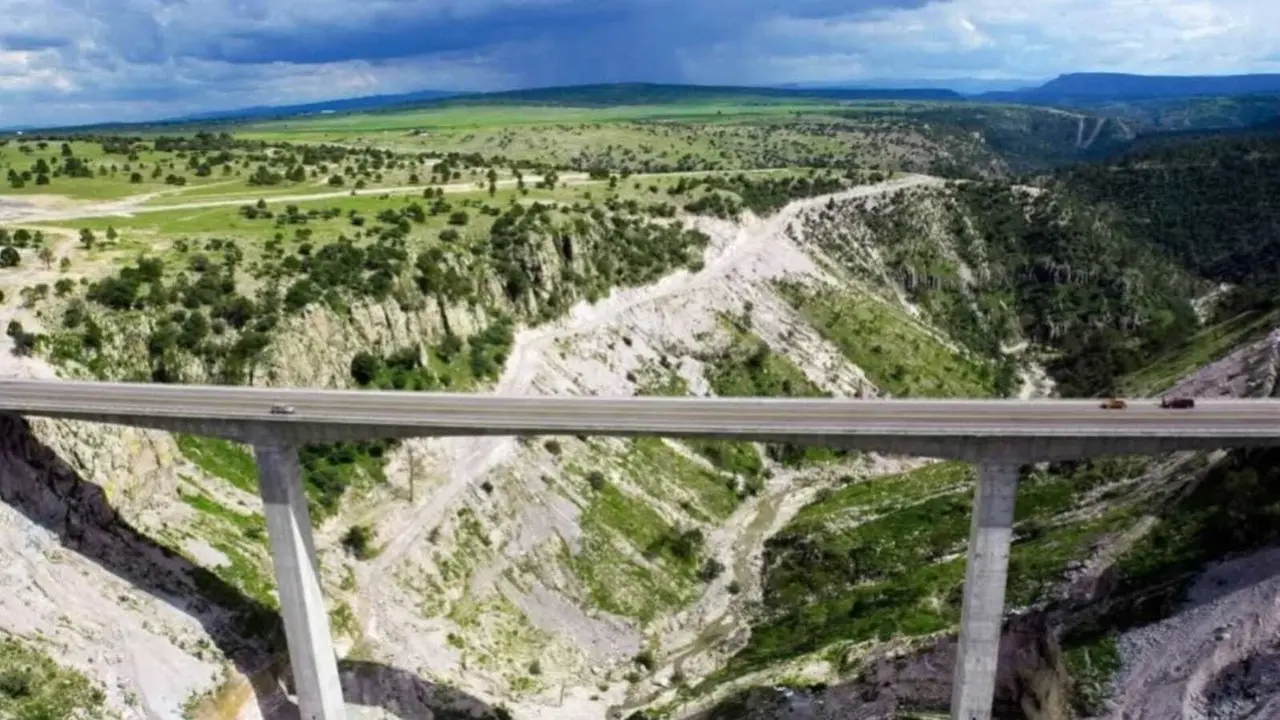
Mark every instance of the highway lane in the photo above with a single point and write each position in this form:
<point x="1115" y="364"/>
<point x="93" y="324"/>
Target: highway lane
<point x="546" y="415"/>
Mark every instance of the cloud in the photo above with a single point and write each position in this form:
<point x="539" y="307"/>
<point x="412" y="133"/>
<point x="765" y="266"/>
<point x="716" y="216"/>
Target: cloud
<point x="69" y="61"/>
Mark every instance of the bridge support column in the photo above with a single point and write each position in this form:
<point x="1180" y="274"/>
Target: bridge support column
<point x="306" y="623"/>
<point x="986" y="570"/>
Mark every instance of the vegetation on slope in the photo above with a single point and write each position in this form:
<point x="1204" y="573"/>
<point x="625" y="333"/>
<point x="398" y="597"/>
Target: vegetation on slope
<point x="1232" y="511"/>
<point x="632" y="560"/>
<point x="1210" y="203"/>
<point x="897" y="352"/>
<point x="34" y="687"/>
<point x="993" y="265"/>
<point x="748" y="367"/>
<point x="884" y="558"/>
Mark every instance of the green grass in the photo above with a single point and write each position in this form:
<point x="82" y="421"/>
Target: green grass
<point x="221" y="458"/>
<point x="739" y="458"/>
<point x="882" y="494"/>
<point x="640" y="138"/>
<point x="748" y="367"/>
<point x="503" y="116"/>
<point x="1233" y="511"/>
<point x="616" y="581"/>
<point x="1092" y="662"/>
<point x="661" y="472"/>
<point x="661" y="382"/>
<point x="897" y="353"/>
<point x="252" y="526"/>
<point x="35" y="687"/>
<point x="248" y="532"/>
<point x="245" y="574"/>
<point x="1209" y="344"/>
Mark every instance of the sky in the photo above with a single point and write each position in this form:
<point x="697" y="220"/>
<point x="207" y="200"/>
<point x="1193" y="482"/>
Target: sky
<point x="76" y="61"/>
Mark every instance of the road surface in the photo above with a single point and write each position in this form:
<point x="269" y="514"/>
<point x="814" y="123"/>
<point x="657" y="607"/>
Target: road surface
<point x="744" y="417"/>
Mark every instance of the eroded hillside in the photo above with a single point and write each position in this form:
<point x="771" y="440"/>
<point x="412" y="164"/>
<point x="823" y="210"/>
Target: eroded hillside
<point x="570" y="577"/>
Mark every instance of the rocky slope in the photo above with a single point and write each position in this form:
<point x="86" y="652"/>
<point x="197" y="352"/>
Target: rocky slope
<point x="555" y="577"/>
<point x="495" y="564"/>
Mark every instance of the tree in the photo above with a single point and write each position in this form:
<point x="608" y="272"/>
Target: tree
<point x="358" y="540"/>
<point x="111" y="233"/>
<point x="46" y="256"/>
<point x="194" y="330"/>
<point x="87" y="238"/>
<point x="364" y="367"/>
<point x="9" y="257"/>
<point x="64" y="264"/>
<point x="459" y="217"/>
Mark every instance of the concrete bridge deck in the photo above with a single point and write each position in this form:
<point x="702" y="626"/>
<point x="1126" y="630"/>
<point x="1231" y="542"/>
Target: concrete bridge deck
<point x="1000" y="435"/>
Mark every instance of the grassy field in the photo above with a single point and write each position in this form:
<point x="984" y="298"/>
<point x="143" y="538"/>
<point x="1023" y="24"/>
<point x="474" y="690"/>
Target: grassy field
<point x="115" y="183"/>
<point x="489" y="116"/>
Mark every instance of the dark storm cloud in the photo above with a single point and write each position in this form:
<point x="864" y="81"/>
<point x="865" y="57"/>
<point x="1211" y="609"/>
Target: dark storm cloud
<point x="543" y="39"/>
<point x="403" y="33"/>
<point x="23" y="42"/>
<point x="192" y="52"/>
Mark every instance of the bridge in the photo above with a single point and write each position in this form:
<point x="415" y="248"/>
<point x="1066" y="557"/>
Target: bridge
<point x="999" y="435"/>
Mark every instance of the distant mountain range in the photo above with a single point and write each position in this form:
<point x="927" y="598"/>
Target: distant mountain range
<point x="1094" y="88"/>
<point x="1074" y="89"/>
<point x="1070" y="89"/>
<point x="964" y="86"/>
<point x="367" y="102"/>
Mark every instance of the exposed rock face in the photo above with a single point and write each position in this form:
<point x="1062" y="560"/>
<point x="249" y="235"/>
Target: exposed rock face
<point x="118" y="605"/>
<point x="1250" y="371"/>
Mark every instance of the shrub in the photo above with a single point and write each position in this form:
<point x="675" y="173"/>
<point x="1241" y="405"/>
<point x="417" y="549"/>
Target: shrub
<point x="365" y="367"/>
<point x="358" y="540"/>
<point x="645" y="660"/>
<point x="596" y="479"/>
<point x="553" y="446"/>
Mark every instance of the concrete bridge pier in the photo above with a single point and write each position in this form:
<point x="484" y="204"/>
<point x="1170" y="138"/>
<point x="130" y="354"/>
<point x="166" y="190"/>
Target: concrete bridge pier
<point x="986" y="571"/>
<point x="306" y="622"/>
